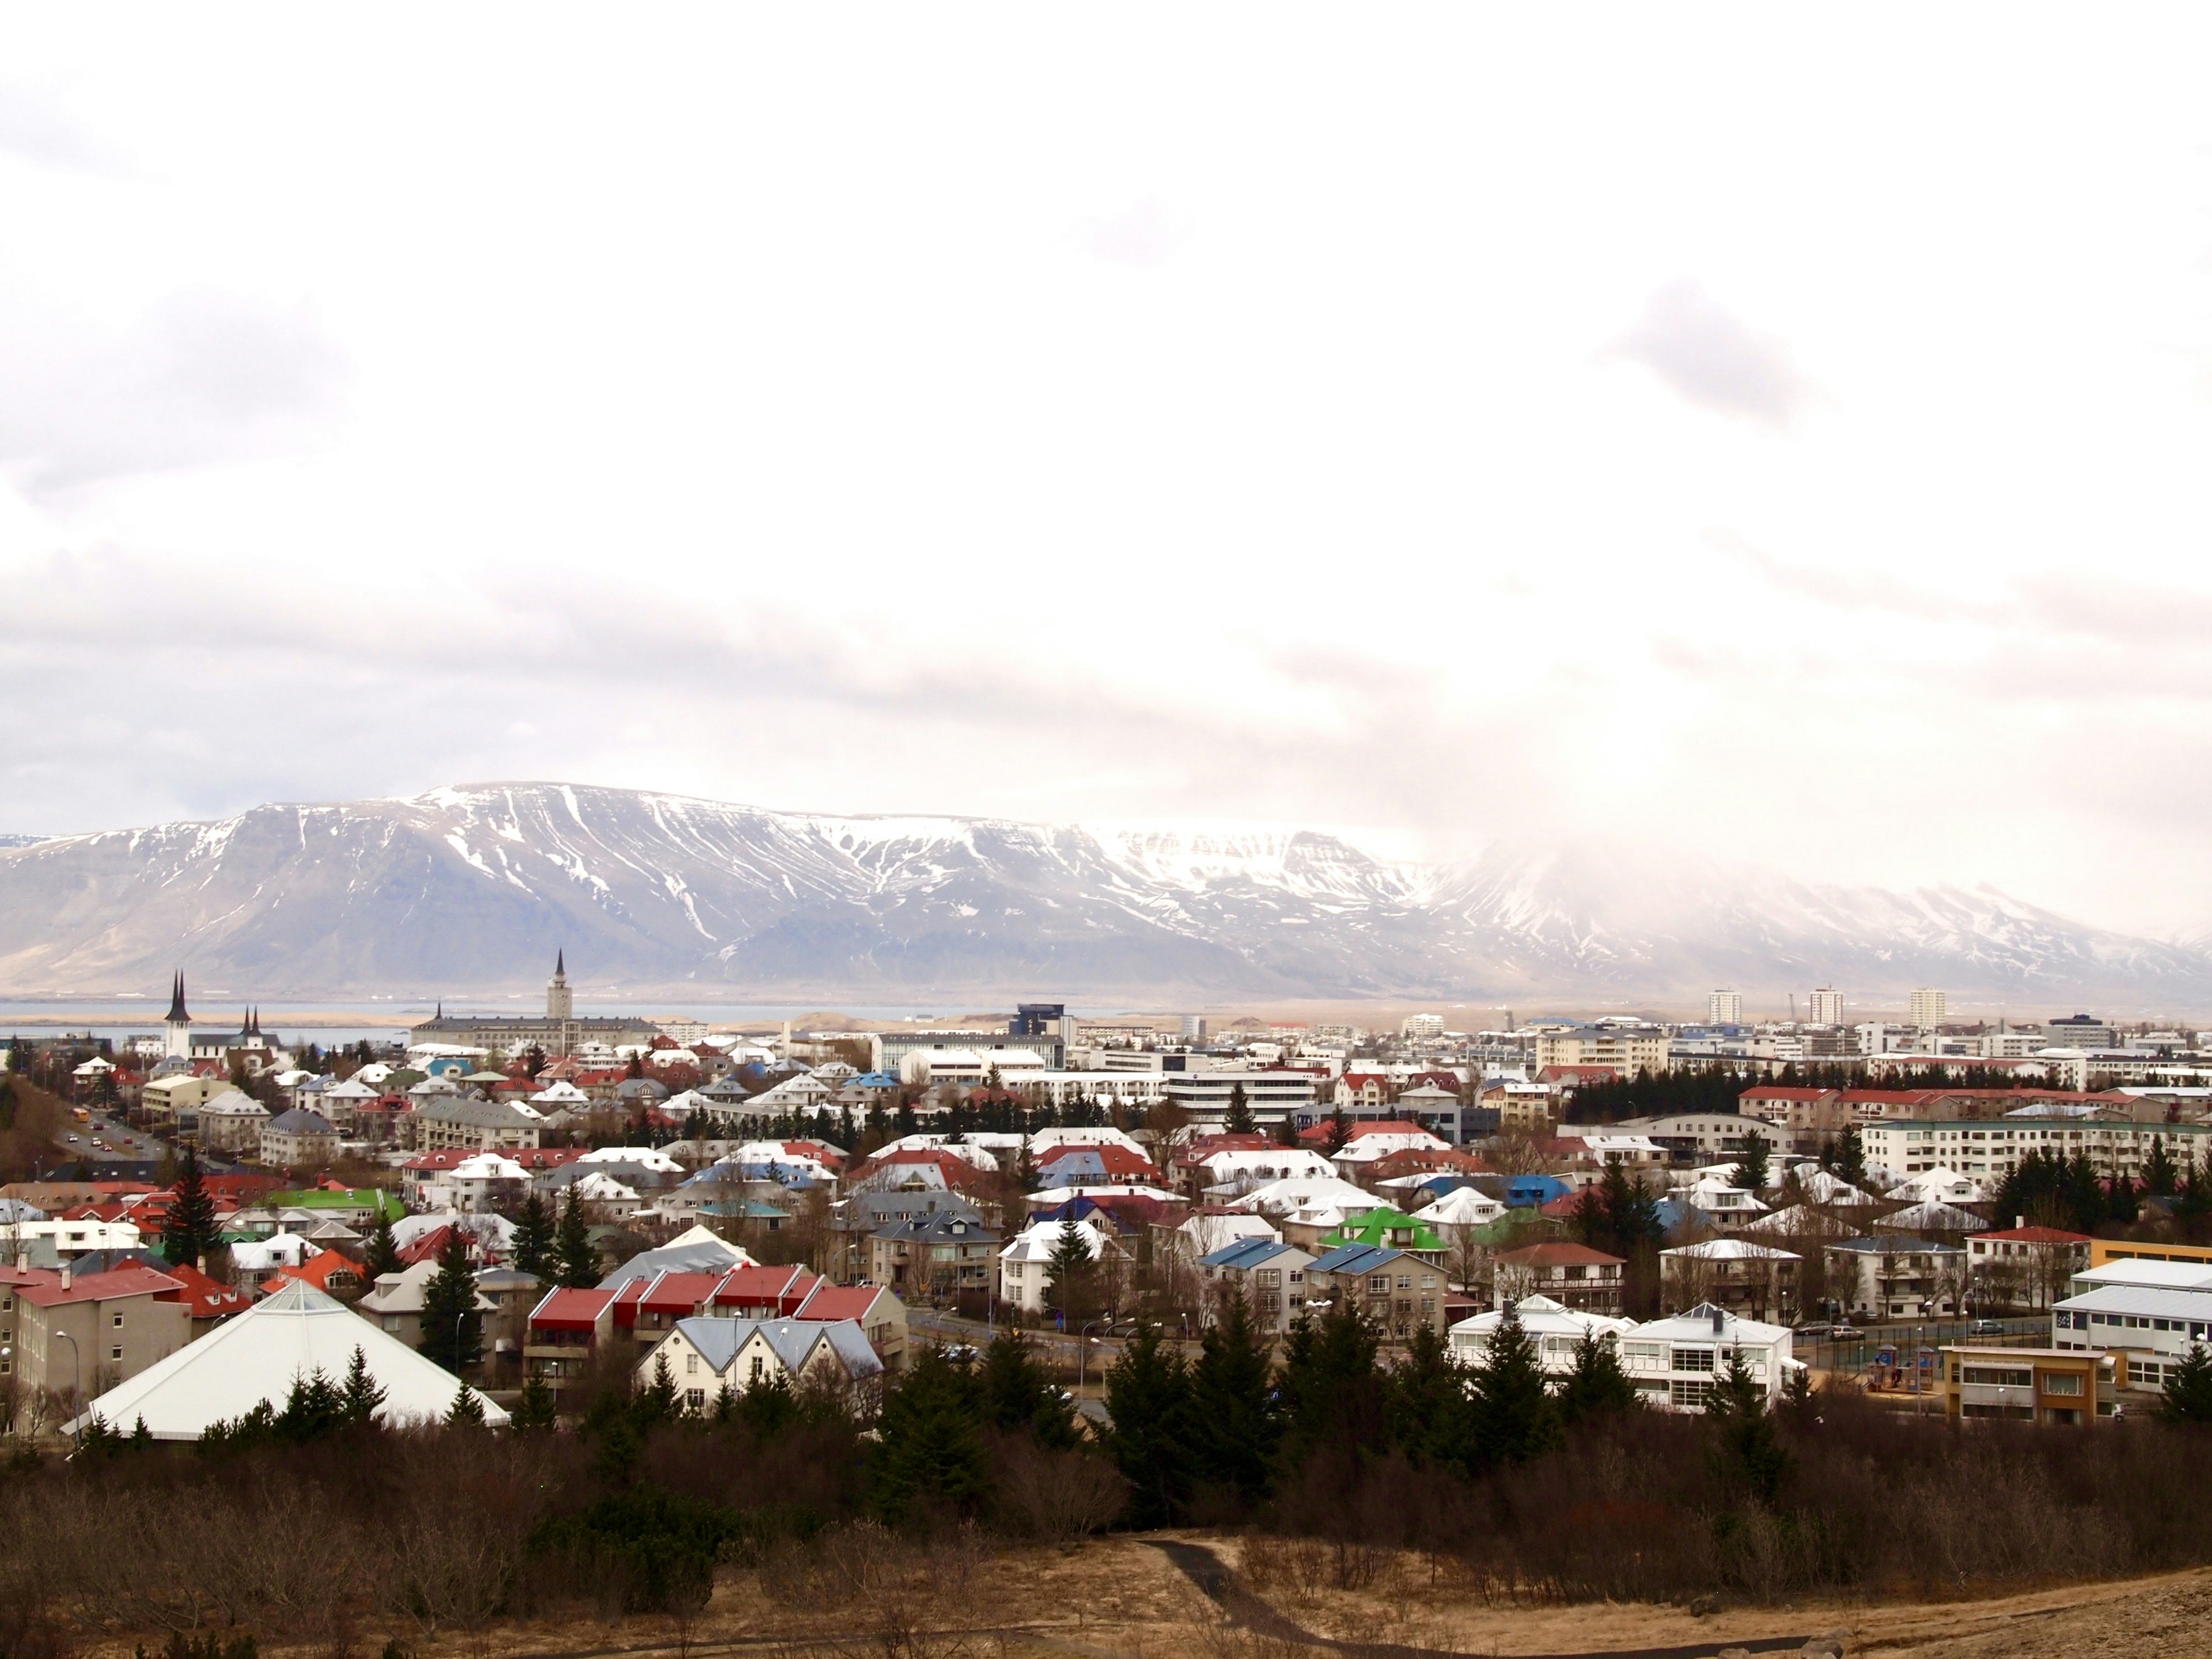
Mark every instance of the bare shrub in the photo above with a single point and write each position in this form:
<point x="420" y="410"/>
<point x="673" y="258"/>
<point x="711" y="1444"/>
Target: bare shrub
<point x="1055" y="1495"/>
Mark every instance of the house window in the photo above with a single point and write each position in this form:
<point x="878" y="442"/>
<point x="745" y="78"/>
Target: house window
<point x="119" y="1321"/>
<point x="2061" y="1383"/>
<point x="756" y="1368"/>
<point x="1692" y="1359"/>
<point x="115" y="1354"/>
<point x="1691" y="1393"/>
<point x="695" y="1400"/>
<point x="691" y="1365"/>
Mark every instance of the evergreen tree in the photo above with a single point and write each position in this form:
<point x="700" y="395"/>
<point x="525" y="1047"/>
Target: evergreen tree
<point x="453" y="1329"/>
<point x="767" y="1408"/>
<point x="1753" y="1172"/>
<point x="2159" y="1174"/>
<point x="381" y="1255"/>
<point x="2189" y="1388"/>
<point x="658" y="1401"/>
<point x="1068" y="1272"/>
<point x="1233" y="1424"/>
<point x="1148" y="1398"/>
<point x="930" y="1444"/>
<point x="1597" y="1386"/>
<point x="533" y="1237"/>
<point x="1749" y="1452"/>
<point x="1850" y="1156"/>
<point x="1017" y="1394"/>
<point x="1514" y="1416"/>
<point x="2192" y="1204"/>
<point x="360" y="1395"/>
<point x="535" y="1410"/>
<point x="466" y="1412"/>
<point x="1286" y="1131"/>
<point x="1238" y="1119"/>
<point x="1340" y="1131"/>
<point x="574" y="1260"/>
<point x="188" y="1231"/>
<point x="2084" y="1195"/>
<point x="2119" y="1200"/>
<point x="1329" y="1392"/>
<point x="1427" y="1406"/>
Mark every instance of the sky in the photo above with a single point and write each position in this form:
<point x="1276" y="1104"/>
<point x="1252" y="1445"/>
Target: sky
<point x="1781" y="436"/>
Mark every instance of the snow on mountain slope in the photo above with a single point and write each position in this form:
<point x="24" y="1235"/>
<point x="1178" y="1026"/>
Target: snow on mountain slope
<point x="474" y="887"/>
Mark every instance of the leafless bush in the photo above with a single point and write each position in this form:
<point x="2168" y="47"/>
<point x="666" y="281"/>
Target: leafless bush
<point x="1055" y="1495"/>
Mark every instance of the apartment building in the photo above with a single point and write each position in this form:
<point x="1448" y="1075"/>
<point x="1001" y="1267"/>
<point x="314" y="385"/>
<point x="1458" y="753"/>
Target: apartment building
<point x="1986" y="1148"/>
<point x="1926" y="1011"/>
<point x="1825" y="1007"/>
<point x="1892" y="1276"/>
<point x="2055" y="1387"/>
<point x="1627" y="1049"/>
<point x="86" y="1333"/>
<point x="1271" y="1096"/>
<point x="1673" y="1362"/>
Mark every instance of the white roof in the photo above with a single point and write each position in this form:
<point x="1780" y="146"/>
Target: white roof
<point x="1272" y="1163"/>
<point x="351" y="1089"/>
<point x="255" y="1357"/>
<point x="1306" y="1193"/>
<point x="488" y="1166"/>
<point x="1540" y="1317"/>
<point x="1037" y="1242"/>
<point x="561" y="1092"/>
<point x="1933" y="1216"/>
<point x="1732" y="1249"/>
<point x="2163" y="1275"/>
<point x="1463" y="1207"/>
<point x="1938" y="1183"/>
<point x="1046" y="1140"/>
<point x="1052" y="1197"/>
<point x="966" y="1150"/>
<point x="1697" y="1326"/>
<point x="646" y="1158"/>
<point x="602" y="1189"/>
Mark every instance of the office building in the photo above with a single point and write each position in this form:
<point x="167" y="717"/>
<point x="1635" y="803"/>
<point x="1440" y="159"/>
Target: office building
<point x="1826" y="1007"/>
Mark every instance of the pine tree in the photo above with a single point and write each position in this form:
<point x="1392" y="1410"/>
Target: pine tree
<point x="533" y="1236"/>
<point x="453" y="1329"/>
<point x="657" y="1402"/>
<point x="1017" y="1394"/>
<point x="1148" y="1398"/>
<point x="360" y="1395"/>
<point x="1234" y="1428"/>
<point x="1286" y="1131"/>
<point x="1749" y="1451"/>
<point x="1238" y="1121"/>
<point x="574" y="1260"/>
<point x="188" y="1231"/>
<point x="466" y="1412"/>
<point x="535" y="1410"/>
<point x="2159" y="1174"/>
<point x="1514" y="1416"/>
<point x="1340" y="1131"/>
<point x="2119" y="1199"/>
<point x="930" y="1443"/>
<point x="1429" y="1410"/>
<point x="2189" y="1387"/>
<point x="1753" y="1172"/>
<point x="1328" y="1390"/>
<point x="1597" y="1386"/>
<point x="1850" y="1156"/>
<point x="381" y="1256"/>
<point x="1068" y="1272"/>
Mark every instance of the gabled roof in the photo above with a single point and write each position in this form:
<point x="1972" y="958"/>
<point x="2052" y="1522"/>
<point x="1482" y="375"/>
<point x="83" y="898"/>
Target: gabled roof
<point x="1559" y="1254"/>
<point x="1246" y="1253"/>
<point x="2038" y="1236"/>
<point x="1354" y="1259"/>
<point x="718" y="1341"/>
<point x="565" y="1309"/>
<point x="255" y="1357"/>
<point x="101" y="1287"/>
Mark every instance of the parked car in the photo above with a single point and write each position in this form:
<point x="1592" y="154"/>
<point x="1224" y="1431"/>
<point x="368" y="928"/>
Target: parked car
<point x="1986" y="1327"/>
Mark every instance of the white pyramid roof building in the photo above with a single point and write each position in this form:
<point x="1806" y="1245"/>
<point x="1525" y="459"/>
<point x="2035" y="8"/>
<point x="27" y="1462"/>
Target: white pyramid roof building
<point x="254" y="1356"/>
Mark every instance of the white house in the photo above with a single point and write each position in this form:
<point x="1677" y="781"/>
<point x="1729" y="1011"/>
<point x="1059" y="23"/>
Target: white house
<point x="1025" y="1261"/>
<point x="1673" y="1362"/>
<point x="705" y="1356"/>
<point x="1556" y="1331"/>
<point x="1463" y="1207"/>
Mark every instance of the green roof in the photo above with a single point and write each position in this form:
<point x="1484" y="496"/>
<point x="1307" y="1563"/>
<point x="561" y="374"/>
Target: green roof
<point x="376" y="1199"/>
<point x="1393" y="1228"/>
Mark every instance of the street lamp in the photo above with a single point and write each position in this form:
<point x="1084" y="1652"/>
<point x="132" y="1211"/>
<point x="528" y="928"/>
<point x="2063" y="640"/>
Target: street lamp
<point x="83" y="1405"/>
<point x="1083" y="1341"/>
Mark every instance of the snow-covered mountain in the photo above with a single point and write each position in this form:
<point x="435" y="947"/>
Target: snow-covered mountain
<point x="472" y="888"/>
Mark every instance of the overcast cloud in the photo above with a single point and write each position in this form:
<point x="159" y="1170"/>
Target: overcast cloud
<point x="1444" y="425"/>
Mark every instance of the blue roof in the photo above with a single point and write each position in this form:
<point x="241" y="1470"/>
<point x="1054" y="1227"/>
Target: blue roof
<point x="1244" y="1253"/>
<point x="1354" y="1259"/>
<point x="1534" y="1189"/>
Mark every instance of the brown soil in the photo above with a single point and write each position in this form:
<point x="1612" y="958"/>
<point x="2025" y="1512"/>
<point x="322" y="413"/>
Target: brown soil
<point x="1126" y="1598"/>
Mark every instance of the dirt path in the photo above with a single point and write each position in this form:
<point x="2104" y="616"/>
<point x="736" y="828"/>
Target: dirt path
<point x="1207" y="1571"/>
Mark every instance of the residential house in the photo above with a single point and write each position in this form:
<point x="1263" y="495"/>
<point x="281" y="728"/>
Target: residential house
<point x="1024" y="1264"/>
<point x="1269" y="1278"/>
<point x="1896" y="1276"/>
<point x="1392" y="1291"/>
<point x="231" y="1122"/>
<point x="705" y="1356"/>
<point x="940" y="1255"/>
<point x="1674" y="1361"/>
<point x="298" y="1139"/>
<point x="395" y="1305"/>
<point x="2023" y="1266"/>
<point x="1557" y="1332"/>
<point x="84" y="1332"/>
<point x="1740" y="1274"/>
<point x="1573" y="1275"/>
<point x="1390" y="1229"/>
<point x="854" y="1222"/>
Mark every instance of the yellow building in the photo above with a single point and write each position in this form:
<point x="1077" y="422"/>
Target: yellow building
<point x="2102" y="1250"/>
<point x="2058" y="1387"/>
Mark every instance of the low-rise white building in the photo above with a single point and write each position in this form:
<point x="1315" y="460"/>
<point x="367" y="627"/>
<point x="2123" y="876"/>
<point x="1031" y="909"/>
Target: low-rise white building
<point x="1558" y="1332"/>
<point x="1025" y="1261"/>
<point x="1673" y="1362"/>
<point x="706" y="1355"/>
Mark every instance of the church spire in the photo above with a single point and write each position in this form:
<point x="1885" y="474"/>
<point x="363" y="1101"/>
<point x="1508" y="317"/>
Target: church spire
<point x="560" y="964"/>
<point x="177" y="1016"/>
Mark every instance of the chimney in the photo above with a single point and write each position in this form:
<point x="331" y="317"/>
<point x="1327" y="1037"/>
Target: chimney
<point x="22" y="1262"/>
<point x="1719" y="1319"/>
<point x="2020" y="1221"/>
<point x="65" y="1275"/>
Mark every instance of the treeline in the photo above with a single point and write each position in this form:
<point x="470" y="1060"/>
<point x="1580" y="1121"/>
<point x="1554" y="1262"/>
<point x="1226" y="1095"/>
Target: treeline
<point x="2050" y="1189"/>
<point x="1650" y="1092"/>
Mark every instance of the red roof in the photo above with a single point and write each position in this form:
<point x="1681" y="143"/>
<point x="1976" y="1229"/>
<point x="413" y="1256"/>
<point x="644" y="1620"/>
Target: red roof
<point x="1113" y="1159"/>
<point x="565" y="1309"/>
<point x="100" y="1287"/>
<point x="317" y="1270"/>
<point x="205" y="1299"/>
<point x="778" y="1290"/>
<point x="1562" y="1208"/>
<point x="1559" y="1254"/>
<point x="1385" y="1126"/>
<point x="827" y="1300"/>
<point x="2036" y="1236"/>
<point x="1776" y="1092"/>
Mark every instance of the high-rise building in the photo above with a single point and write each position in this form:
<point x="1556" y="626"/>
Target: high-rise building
<point x="1726" y="1008"/>
<point x="1193" y="1028"/>
<point x="1827" y="1007"/>
<point x="1927" y="1009"/>
<point x="1414" y="1027"/>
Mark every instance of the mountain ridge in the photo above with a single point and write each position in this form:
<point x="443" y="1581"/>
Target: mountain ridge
<point x="473" y="887"/>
